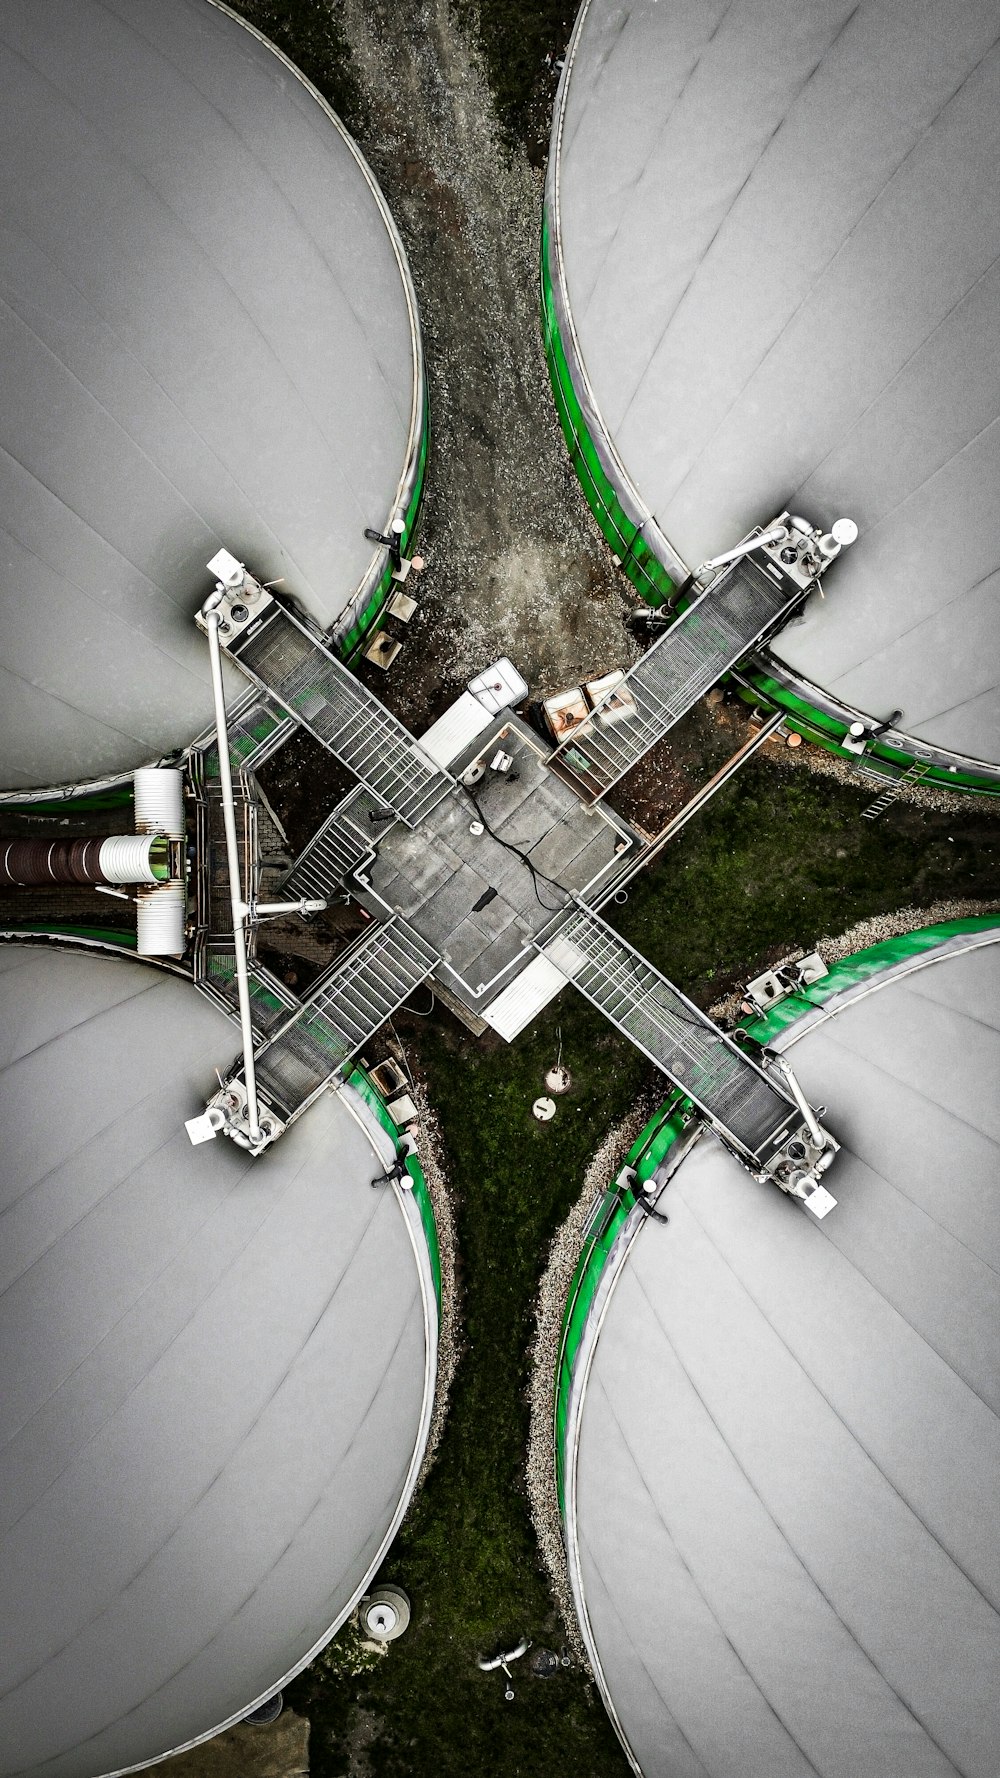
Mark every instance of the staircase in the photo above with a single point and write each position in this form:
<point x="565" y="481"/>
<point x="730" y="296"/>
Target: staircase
<point x="318" y="692"/>
<point x="346" y="1007"/>
<point x="344" y="841"/>
<point x="917" y="770"/>
<point x="736" y="1096"/>
<point x="737" y="611"/>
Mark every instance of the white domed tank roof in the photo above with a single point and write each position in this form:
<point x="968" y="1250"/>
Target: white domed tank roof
<point x="775" y="246"/>
<point x="782" y="1470"/>
<point x="209" y="338"/>
<point x="217" y="1374"/>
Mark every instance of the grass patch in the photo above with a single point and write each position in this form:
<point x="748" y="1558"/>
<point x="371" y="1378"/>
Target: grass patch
<point x="781" y="858"/>
<point x="468" y="1556"/>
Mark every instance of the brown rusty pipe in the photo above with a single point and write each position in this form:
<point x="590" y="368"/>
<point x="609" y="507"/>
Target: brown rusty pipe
<point x="31" y="863"/>
<point x="116" y="858"/>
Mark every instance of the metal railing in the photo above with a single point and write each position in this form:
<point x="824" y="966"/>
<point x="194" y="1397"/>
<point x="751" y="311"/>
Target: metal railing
<point x="742" y="606"/>
<point x="735" y="1095"/>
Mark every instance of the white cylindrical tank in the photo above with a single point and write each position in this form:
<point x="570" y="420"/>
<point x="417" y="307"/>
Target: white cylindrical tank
<point x="159" y="800"/>
<point x="172" y="387"/>
<point x="160" y="915"/>
<point x="772" y="281"/>
<point x="779" y="1437"/>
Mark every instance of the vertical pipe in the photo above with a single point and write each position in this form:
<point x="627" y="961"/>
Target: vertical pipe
<point x="212" y="621"/>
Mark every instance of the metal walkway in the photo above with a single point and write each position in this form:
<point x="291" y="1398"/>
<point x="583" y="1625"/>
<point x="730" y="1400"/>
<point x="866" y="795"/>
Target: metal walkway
<point x="346" y="839"/>
<point x="312" y="685"/>
<point x="271" y="1003"/>
<point x="346" y="1007"/>
<point x="739" y="608"/>
<point x="735" y="1095"/>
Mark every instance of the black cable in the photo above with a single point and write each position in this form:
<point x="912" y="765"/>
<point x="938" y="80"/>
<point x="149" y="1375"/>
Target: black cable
<point x="535" y="874"/>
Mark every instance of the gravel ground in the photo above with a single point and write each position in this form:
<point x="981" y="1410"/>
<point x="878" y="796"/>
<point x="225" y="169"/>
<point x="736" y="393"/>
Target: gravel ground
<point x="428" y="1136"/>
<point x="515" y="564"/>
<point x="540" y="1473"/>
<point x="867" y="932"/>
<point x="833" y="765"/>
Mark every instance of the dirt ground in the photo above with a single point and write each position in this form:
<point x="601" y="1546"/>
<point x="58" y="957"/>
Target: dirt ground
<point x="280" y="1750"/>
<point x="515" y="564"/>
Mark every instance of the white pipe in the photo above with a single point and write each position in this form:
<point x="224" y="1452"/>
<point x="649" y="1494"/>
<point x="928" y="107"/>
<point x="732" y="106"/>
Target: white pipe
<point x="802" y="1103"/>
<point x="287" y="907"/>
<point x="774" y="534"/>
<point x="159" y="801"/>
<point x="126" y="858"/>
<point x="212" y="621"/>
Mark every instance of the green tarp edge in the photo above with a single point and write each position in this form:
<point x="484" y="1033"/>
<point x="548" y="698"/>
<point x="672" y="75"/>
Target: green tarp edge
<point x="644" y="569"/>
<point x="607" y="1220"/>
<point x="95" y="934"/>
<point x="860" y="967"/>
<point x="350" y="644"/>
<point x="372" y="1098"/>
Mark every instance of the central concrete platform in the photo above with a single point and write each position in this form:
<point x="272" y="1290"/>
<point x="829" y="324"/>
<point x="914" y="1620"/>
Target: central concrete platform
<point x="537" y="847"/>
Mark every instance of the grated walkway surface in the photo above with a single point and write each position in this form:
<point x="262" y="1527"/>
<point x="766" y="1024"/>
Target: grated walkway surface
<point x="320" y="693"/>
<point x="722" y="626"/>
<point x="670" y="1030"/>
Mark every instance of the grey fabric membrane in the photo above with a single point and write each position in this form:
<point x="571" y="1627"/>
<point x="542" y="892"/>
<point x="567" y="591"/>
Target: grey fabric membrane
<point x="213" y="1374"/>
<point x="789" y="1445"/>
<point x="781" y="235"/>
<point x="206" y="341"/>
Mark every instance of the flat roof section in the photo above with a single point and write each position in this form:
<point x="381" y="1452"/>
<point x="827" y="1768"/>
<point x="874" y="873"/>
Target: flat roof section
<point x="776" y="259"/>
<point x="538" y="845"/>
<point x="209" y="338"/>
<point x="217" y="1374"/>
<point x="781" y="1520"/>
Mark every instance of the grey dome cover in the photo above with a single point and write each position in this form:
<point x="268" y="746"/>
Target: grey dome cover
<point x="209" y="338"/>
<point x="217" y="1374"/>
<point x="782" y="1517"/>
<point x="777" y="242"/>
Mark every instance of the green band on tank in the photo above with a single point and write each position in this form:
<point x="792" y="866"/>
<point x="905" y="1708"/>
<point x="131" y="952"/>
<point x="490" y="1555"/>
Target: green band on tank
<point x="861" y="967"/>
<point x="606" y="1223"/>
<point x="373" y="1099"/>
<point x="349" y="645"/>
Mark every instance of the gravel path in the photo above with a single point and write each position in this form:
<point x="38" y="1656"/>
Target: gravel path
<point x="515" y="564"/>
<point x="857" y="938"/>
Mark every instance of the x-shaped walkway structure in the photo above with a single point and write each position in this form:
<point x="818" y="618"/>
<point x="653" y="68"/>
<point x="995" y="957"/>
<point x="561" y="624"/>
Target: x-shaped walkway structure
<point x="486" y="882"/>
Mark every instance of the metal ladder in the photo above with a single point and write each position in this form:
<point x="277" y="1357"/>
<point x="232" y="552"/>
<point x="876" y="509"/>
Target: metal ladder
<point x="736" y="1096"/>
<point x="915" y="771"/>
<point x="344" y="841"/>
<point x="346" y="1007"/>
<point x="739" y="608"/>
<point x="318" y="692"/>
